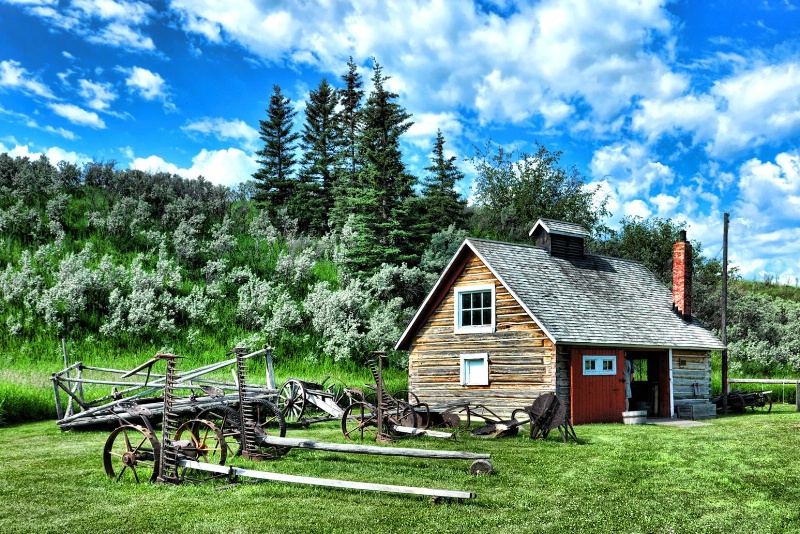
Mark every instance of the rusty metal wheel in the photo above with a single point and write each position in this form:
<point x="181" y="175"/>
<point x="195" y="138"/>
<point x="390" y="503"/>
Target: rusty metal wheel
<point x="132" y="453"/>
<point x="206" y="441"/>
<point x="292" y="400"/>
<point x="360" y="421"/>
<point x="227" y="420"/>
<point x="401" y="414"/>
<point x="269" y="421"/>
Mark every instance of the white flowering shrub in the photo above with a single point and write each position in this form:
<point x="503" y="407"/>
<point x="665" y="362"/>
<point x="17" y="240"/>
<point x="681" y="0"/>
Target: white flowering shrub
<point x="285" y="316"/>
<point x="339" y="318"/>
<point x="185" y="239"/>
<point x="215" y="270"/>
<point x="145" y="303"/>
<point x="22" y="222"/>
<point x="409" y="283"/>
<point x="198" y="307"/>
<point x="254" y="297"/>
<point x="295" y="269"/>
<point x="20" y="289"/>
<point x="76" y="290"/>
<point x="222" y="240"/>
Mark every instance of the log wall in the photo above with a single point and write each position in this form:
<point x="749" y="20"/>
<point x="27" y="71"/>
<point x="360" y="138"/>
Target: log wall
<point x="690" y="368"/>
<point x="522" y="360"/>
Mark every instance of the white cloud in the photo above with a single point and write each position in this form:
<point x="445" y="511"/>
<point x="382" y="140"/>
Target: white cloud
<point x="631" y="170"/>
<point x="636" y="208"/>
<point x="98" y="95"/>
<point x="223" y="167"/>
<point x="53" y="154"/>
<point x="537" y="62"/>
<point x="14" y="76"/>
<point x="747" y="109"/>
<point x="128" y="12"/>
<point x="423" y="132"/>
<point x="147" y="84"/>
<point x="77" y="115"/>
<point x="225" y="130"/>
<point x="122" y="36"/>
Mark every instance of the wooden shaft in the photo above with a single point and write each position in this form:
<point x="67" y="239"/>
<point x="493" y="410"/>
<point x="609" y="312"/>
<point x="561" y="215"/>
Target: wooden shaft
<point x="329" y="482"/>
<point x="371" y="449"/>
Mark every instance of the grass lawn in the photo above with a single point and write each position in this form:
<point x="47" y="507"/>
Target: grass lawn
<point x="737" y="474"/>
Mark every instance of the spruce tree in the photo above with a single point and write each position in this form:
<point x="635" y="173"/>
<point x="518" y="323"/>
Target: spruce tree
<point x="274" y="180"/>
<point x="320" y="142"/>
<point x="443" y="205"/>
<point x="348" y="122"/>
<point x="383" y="194"/>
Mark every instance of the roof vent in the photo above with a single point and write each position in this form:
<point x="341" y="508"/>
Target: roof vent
<point x="559" y="238"/>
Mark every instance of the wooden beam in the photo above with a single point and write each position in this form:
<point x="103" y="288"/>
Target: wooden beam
<point x="328" y="482"/>
<point x="371" y="449"/>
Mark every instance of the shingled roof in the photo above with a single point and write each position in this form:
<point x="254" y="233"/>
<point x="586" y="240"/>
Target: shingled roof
<point x="591" y="301"/>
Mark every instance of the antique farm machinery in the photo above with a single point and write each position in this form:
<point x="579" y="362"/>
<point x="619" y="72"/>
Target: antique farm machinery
<point x="199" y="447"/>
<point x="140" y="391"/>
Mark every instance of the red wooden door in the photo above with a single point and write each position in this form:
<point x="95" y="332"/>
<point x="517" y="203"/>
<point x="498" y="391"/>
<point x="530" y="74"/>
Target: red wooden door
<point x="596" y="396"/>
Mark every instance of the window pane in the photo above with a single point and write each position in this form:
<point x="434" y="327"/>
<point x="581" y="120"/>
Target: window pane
<point x="487" y="316"/>
<point x="487" y="299"/>
<point x="465" y="301"/>
<point x="476" y="318"/>
<point x="476" y="300"/>
<point x="465" y="318"/>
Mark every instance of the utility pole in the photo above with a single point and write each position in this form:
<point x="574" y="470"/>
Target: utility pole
<point x="725" y="315"/>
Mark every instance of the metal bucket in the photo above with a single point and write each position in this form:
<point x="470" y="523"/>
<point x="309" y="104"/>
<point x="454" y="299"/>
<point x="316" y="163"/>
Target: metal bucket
<point x="638" y="417"/>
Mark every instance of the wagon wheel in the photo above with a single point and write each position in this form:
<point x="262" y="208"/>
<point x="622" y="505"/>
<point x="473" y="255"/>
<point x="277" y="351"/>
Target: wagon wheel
<point x="401" y="414"/>
<point x="359" y="420"/>
<point x="764" y="403"/>
<point x="736" y="402"/>
<point x="339" y="391"/>
<point x="269" y="421"/>
<point x="227" y="420"/>
<point x="292" y="400"/>
<point x="132" y="453"/>
<point x="420" y="408"/>
<point x="208" y="442"/>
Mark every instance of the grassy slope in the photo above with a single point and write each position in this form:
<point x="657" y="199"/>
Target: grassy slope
<point x="737" y="474"/>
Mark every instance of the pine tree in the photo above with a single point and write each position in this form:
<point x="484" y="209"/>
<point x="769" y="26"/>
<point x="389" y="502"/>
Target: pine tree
<point x="383" y="194"/>
<point x="274" y="181"/>
<point x="348" y="126"/>
<point x="320" y="143"/>
<point x="443" y="205"/>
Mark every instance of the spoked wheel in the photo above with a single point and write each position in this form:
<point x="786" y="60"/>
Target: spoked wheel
<point x="402" y="414"/>
<point x="736" y="402"/>
<point x="206" y="441"/>
<point x="339" y="391"/>
<point x="269" y="421"/>
<point x="227" y="420"/>
<point x="764" y="403"/>
<point x="132" y="453"/>
<point x="359" y="422"/>
<point x="422" y="410"/>
<point x="292" y="400"/>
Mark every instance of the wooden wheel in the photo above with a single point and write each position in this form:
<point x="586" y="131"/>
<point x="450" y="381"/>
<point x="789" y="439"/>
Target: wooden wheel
<point x="764" y="403"/>
<point x="132" y="453"/>
<point x="339" y="391"/>
<point x="292" y="400"/>
<point x="358" y="421"/>
<point x="269" y="421"/>
<point x="736" y="402"/>
<point x="206" y="441"/>
<point x="227" y="420"/>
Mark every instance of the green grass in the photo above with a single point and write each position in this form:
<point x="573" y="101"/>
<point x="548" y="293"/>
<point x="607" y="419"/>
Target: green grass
<point x="738" y="474"/>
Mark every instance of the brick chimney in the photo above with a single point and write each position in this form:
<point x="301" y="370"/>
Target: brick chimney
<point x="682" y="277"/>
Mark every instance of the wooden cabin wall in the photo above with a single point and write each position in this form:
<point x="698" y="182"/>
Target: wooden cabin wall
<point x="563" y="359"/>
<point x="522" y="360"/>
<point x="689" y="368"/>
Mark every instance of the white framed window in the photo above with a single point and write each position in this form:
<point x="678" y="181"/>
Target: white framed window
<point x="474" y="309"/>
<point x="600" y="365"/>
<point x="475" y="369"/>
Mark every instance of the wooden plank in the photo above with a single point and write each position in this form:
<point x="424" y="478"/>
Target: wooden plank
<point x="327" y="482"/>
<point x="371" y="449"/>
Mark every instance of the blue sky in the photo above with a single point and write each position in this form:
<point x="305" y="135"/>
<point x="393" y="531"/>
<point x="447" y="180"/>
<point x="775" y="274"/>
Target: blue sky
<point x="676" y="109"/>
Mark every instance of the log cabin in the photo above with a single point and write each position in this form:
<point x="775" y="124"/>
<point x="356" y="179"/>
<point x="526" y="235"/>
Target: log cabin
<point x="508" y="322"/>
